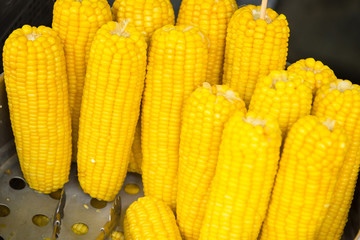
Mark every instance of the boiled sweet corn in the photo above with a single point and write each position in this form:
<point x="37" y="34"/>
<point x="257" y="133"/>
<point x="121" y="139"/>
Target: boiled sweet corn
<point x="176" y="66"/>
<point x="146" y="15"/>
<point x="340" y="101"/>
<point x="284" y="96"/>
<point x="110" y="108"/>
<point x="313" y="154"/>
<point x="313" y="72"/>
<point x="37" y="91"/>
<point x="212" y="17"/>
<point x="254" y="47"/>
<point x="204" y="115"/>
<point x="150" y="219"/>
<point x="76" y="22"/>
<point x="245" y="173"/>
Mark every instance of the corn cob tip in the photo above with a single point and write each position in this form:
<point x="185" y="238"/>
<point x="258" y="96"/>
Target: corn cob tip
<point x="256" y="12"/>
<point x="255" y="121"/>
<point x="330" y="124"/>
<point x="341" y="85"/>
<point x="314" y="72"/>
<point x="221" y="90"/>
<point x="32" y="36"/>
<point x="120" y="28"/>
<point x="207" y="85"/>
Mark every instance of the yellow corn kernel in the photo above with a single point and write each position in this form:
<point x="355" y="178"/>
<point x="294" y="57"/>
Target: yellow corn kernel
<point x="284" y="96"/>
<point x="245" y="173"/>
<point x="80" y="228"/>
<point x="110" y="108"/>
<point x="313" y="154"/>
<point x="136" y="153"/>
<point x="37" y="91"/>
<point x="176" y="66"/>
<point x="212" y="17"/>
<point x="340" y="101"/>
<point x="313" y="72"/>
<point x="150" y="219"/>
<point x="146" y="15"/>
<point x="131" y="189"/>
<point x="76" y="22"/>
<point x="203" y="118"/>
<point x="116" y="235"/>
<point x="254" y="47"/>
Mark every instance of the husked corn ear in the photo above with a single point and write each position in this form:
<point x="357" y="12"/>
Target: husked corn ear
<point x="245" y="173"/>
<point x="136" y="153"/>
<point x="36" y="86"/>
<point x="313" y="154"/>
<point x="254" y="47"/>
<point x="313" y="72"/>
<point x="150" y="219"/>
<point x="340" y="101"/>
<point x="176" y="66"/>
<point x="212" y="17"/>
<point x="284" y="96"/>
<point x="204" y="115"/>
<point x="110" y="108"/>
<point x="146" y="15"/>
<point x="76" y="22"/>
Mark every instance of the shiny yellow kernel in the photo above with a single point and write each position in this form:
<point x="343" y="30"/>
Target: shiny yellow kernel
<point x="131" y="189"/>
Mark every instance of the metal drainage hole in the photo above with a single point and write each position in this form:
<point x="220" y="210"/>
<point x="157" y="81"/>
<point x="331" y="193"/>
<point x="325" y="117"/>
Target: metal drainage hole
<point x="80" y="228"/>
<point x="40" y="220"/>
<point x="131" y="189"/>
<point x="97" y="203"/>
<point x="56" y="195"/>
<point x="17" y="183"/>
<point x="4" y="210"/>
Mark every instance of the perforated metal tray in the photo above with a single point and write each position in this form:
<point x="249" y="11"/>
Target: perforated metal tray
<point x="19" y="204"/>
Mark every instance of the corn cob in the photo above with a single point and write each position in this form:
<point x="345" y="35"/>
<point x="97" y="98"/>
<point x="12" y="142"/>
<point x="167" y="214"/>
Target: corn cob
<point x="150" y="219"/>
<point x="245" y="173"/>
<point x="176" y="66"/>
<point x="204" y="115"/>
<point x="76" y="22"/>
<point x="313" y="72"/>
<point x="36" y="85"/>
<point x="146" y="15"/>
<point x="254" y="47"/>
<point x="212" y="17"/>
<point x="284" y="96"/>
<point x="313" y="154"/>
<point x="110" y="108"/>
<point x="341" y="101"/>
<point x="136" y="153"/>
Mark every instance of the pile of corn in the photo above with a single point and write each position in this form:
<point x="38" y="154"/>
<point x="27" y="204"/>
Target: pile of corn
<point x="269" y="154"/>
